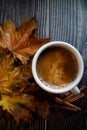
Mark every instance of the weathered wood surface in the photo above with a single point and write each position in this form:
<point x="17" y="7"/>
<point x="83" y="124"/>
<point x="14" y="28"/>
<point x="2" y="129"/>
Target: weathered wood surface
<point x="64" y="20"/>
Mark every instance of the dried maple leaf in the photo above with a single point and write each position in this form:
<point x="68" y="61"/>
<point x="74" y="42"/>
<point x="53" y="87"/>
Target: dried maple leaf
<point x="29" y="26"/>
<point x="22" y="42"/>
<point x="18" y="95"/>
<point x="12" y="76"/>
<point x="24" y="53"/>
<point x="7" y="36"/>
<point x="21" y="106"/>
<point x="16" y="106"/>
<point x="43" y="109"/>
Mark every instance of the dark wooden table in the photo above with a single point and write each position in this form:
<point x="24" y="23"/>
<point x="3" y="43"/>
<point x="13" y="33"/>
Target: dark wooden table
<point x="64" y="20"/>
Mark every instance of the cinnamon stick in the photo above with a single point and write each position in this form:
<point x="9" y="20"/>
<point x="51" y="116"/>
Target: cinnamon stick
<point x="77" y="97"/>
<point x="66" y="102"/>
<point x="73" y="95"/>
<point x="60" y="101"/>
<point x="65" y="107"/>
<point x="83" y="88"/>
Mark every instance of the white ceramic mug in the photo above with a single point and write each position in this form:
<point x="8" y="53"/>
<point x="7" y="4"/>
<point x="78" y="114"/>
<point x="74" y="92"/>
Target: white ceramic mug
<point x="73" y="85"/>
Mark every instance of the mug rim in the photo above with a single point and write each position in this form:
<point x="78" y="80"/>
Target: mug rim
<point x="72" y="84"/>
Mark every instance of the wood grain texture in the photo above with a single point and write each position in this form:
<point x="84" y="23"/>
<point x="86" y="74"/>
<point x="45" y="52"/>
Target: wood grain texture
<point x="64" y="20"/>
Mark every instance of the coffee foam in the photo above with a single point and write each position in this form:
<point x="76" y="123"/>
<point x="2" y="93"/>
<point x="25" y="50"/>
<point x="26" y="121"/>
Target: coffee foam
<point x="57" y="67"/>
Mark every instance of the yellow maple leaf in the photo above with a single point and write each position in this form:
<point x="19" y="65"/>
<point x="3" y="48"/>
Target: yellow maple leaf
<point x="18" y="95"/>
<point x="11" y="75"/>
<point x="16" y="106"/>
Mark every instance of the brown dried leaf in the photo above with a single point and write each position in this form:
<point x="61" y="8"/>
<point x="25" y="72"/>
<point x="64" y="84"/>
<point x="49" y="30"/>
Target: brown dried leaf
<point x="30" y="47"/>
<point x="17" y="95"/>
<point x="22" y="42"/>
<point x="21" y="114"/>
<point x="20" y="106"/>
<point x="12" y="76"/>
<point x="43" y="109"/>
<point x="29" y="27"/>
<point x="7" y="37"/>
<point x="16" y="106"/>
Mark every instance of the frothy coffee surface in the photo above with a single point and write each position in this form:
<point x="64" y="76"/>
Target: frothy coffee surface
<point x="57" y="67"/>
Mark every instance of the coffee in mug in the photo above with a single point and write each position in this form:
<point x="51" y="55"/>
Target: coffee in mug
<point x="57" y="67"/>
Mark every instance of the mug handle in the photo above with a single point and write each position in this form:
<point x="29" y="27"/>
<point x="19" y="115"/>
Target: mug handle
<point x="76" y="90"/>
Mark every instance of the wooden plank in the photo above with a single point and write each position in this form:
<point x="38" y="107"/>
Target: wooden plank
<point x="64" y="20"/>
